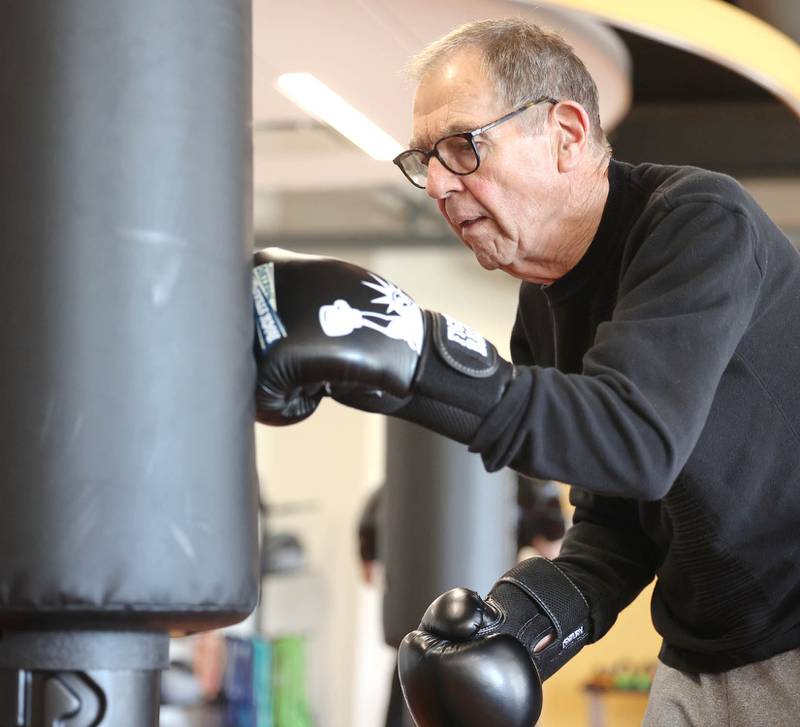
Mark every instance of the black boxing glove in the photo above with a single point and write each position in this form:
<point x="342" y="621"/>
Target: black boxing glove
<point x="327" y="327"/>
<point x="475" y="662"/>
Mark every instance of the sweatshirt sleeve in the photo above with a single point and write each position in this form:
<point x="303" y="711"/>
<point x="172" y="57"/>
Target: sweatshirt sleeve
<point x="626" y="425"/>
<point x="607" y="555"/>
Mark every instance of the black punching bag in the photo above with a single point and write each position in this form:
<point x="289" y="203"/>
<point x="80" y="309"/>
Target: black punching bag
<point x="446" y="522"/>
<point x="127" y="480"/>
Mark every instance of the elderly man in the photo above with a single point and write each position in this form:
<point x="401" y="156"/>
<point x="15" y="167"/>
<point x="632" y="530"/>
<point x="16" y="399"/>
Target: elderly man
<point x="655" y="367"/>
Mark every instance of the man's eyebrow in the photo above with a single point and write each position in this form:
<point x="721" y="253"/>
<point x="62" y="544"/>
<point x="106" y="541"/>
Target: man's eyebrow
<point x="452" y="128"/>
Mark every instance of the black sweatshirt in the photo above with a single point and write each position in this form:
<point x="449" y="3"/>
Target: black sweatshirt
<point x="661" y="378"/>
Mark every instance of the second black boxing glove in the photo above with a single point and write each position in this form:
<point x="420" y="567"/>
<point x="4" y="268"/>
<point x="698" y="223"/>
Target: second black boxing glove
<point x="327" y="327"/>
<point x="475" y="662"/>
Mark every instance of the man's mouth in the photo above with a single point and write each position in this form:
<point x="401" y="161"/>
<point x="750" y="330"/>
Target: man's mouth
<point x="470" y="222"/>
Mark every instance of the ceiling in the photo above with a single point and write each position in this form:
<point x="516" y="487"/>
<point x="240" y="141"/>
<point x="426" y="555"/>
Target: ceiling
<point x="314" y="189"/>
<point x="362" y="60"/>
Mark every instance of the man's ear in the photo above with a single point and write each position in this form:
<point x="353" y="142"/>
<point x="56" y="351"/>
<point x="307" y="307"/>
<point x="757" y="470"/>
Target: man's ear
<point x="573" y="132"/>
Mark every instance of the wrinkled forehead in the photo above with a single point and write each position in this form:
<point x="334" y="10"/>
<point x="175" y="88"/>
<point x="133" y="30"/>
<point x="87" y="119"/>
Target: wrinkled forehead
<point x="456" y="95"/>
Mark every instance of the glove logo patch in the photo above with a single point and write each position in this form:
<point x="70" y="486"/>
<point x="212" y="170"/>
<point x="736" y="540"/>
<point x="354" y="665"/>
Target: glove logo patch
<point x="466" y="336"/>
<point x="402" y="320"/>
<point x="463" y="348"/>
<point x="269" y="327"/>
<point x="577" y="633"/>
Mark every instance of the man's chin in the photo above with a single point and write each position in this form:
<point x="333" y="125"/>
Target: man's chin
<point x="486" y="254"/>
<point x="486" y="263"/>
<point x="489" y="259"/>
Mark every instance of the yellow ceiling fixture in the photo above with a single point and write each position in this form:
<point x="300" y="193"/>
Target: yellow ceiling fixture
<point x="714" y="30"/>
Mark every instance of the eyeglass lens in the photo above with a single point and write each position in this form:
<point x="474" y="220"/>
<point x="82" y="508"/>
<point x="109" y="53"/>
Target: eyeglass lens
<point x="415" y="166"/>
<point x="455" y="152"/>
<point x="458" y="154"/>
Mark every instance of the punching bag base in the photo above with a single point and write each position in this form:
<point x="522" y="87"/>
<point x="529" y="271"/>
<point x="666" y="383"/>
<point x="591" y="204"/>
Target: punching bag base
<point x="81" y="678"/>
<point x="101" y="698"/>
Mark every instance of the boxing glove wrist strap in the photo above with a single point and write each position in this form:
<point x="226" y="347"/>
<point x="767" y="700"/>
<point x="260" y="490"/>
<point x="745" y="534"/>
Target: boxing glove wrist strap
<point x="459" y="379"/>
<point x="557" y="598"/>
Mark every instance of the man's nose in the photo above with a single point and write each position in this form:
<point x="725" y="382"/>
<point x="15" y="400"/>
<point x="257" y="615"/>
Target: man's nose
<point x="441" y="182"/>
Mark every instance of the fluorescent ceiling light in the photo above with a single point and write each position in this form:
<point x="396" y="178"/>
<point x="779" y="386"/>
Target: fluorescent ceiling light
<point x="319" y="101"/>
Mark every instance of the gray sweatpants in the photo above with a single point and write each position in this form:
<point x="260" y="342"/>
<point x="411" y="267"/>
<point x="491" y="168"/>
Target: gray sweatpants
<point x="764" y="693"/>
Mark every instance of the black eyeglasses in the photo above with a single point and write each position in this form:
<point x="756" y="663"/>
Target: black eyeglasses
<point x="457" y="152"/>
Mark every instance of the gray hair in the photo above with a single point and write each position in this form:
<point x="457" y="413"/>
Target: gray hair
<point x="524" y="62"/>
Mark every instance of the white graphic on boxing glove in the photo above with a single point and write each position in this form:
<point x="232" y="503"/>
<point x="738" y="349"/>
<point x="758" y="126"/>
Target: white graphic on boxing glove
<point x="465" y="336"/>
<point x="402" y="320"/>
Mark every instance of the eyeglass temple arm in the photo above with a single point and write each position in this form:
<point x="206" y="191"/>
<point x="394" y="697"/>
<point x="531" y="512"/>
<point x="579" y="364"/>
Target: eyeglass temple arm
<point x="512" y="114"/>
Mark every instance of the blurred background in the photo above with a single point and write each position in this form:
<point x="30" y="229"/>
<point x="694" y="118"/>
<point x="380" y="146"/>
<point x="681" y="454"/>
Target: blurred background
<point x="704" y="82"/>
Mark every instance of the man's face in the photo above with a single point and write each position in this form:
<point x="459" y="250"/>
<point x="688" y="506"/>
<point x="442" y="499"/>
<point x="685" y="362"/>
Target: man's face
<point x="506" y="211"/>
